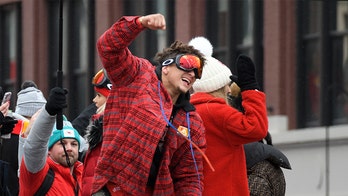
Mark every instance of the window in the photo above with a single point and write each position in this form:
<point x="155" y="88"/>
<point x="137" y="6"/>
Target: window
<point x="218" y="28"/>
<point x="322" y="66"/>
<point x="235" y="27"/>
<point x="339" y="34"/>
<point x="10" y="45"/>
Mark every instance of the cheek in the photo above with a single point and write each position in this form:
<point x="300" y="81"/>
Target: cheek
<point x="55" y="152"/>
<point x="56" y="149"/>
<point x="227" y="89"/>
<point x="102" y="100"/>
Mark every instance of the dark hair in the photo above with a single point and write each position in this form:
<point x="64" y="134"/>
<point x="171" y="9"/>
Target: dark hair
<point x="176" y="48"/>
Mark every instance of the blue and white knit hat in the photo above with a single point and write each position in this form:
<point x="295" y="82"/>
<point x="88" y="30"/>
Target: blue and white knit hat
<point x="29" y="101"/>
<point x="68" y="131"/>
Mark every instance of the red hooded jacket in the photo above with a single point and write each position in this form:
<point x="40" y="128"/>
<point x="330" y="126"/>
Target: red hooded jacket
<point x="227" y="130"/>
<point x="63" y="183"/>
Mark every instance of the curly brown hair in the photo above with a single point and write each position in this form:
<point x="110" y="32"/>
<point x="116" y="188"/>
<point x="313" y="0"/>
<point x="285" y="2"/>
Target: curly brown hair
<point x="176" y="48"/>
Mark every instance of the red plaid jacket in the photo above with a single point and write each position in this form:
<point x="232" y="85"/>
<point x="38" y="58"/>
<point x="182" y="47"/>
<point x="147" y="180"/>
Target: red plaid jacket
<point x="134" y="124"/>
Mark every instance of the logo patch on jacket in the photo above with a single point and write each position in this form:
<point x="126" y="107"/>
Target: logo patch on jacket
<point x="183" y="131"/>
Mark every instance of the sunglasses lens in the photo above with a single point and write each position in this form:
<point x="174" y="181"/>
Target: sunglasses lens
<point x="99" y="78"/>
<point x="191" y="62"/>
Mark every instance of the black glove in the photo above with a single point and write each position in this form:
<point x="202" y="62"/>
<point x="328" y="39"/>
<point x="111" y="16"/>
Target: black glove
<point x="1" y="118"/>
<point x="56" y="101"/>
<point x="246" y="74"/>
<point x="8" y="124"/>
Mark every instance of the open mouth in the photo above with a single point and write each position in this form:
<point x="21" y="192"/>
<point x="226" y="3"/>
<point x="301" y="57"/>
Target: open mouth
<point x="187" y="81"/>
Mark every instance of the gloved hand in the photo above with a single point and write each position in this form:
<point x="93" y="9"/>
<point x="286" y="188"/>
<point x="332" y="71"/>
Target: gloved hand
<point x="56" y="101"/>
<point x="246" y="74"/>
<point x="8" y="124"/>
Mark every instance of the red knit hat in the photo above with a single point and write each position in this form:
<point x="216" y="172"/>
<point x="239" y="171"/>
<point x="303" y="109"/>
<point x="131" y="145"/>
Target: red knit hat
<point x="102" y="90"/>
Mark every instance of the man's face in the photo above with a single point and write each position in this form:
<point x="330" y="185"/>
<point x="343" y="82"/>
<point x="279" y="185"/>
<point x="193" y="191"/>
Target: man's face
<point x="58" y="155"/>
<point x="178" y="81"/>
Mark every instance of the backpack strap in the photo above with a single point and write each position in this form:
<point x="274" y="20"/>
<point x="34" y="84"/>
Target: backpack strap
<point x="46" y="184"/>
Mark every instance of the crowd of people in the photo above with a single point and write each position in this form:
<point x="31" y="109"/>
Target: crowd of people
<point x="179" y="135"/>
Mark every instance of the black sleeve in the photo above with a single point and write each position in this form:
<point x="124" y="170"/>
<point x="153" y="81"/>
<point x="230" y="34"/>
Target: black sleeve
<point x="81" y="122"/>
<point x="256" y="152"/>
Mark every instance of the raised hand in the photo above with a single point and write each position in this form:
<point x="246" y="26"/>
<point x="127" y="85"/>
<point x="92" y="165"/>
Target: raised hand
<point x="153" y="21"/>
<point x="56" y="101"/>
<point x="4" y="108"/>
<point x="246" y="73"/>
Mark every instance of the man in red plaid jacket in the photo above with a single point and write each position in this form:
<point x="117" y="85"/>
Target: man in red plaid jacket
<point x="153" y="141"/>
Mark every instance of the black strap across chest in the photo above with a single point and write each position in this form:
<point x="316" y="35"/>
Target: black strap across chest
<point x="46" y="184"/>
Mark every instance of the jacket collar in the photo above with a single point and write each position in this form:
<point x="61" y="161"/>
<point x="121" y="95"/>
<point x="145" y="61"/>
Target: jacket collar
<point x="184" y="103"/>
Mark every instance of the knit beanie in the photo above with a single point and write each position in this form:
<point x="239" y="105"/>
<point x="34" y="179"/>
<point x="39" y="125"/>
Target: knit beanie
<point x="215" y="74"/>
<point x="104" y="91"/>
<point x="68" y="131"/>
<point x="29" y="101"/>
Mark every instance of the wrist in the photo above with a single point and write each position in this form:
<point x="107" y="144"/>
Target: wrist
<point x="249" y="86"/>
<point x="139" y="20"/>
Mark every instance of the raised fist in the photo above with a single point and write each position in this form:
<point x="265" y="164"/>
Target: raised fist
<point x="56" y="101"/>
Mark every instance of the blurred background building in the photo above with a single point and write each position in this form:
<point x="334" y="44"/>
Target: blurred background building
<point x="300" y="48"/>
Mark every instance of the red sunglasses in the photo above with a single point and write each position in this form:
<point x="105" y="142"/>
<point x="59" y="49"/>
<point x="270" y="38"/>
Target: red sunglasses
<point x="186" y="62"/>
<point x="101" y="80"/>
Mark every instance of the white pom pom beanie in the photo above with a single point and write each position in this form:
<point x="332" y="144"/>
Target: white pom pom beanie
<point x="215" y="74"/>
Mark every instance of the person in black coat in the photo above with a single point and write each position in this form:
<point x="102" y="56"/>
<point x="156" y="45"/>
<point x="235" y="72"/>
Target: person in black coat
<point x="264" y="168"/>
<point x="264" y="161"/>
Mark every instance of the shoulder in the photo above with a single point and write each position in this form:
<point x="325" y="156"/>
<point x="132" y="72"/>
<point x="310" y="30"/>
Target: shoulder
<point x="256" y="152"/>
<point x="32" y="180"/>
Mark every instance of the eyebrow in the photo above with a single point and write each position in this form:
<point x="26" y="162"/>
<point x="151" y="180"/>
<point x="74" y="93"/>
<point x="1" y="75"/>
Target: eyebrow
<point x="65" y="140"/>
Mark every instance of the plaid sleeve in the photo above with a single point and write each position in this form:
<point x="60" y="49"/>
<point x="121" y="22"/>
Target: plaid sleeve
<point x="116" y="58"/>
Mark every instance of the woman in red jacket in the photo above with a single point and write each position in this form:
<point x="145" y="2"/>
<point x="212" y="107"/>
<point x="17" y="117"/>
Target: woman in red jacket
<point x="227" y="129"/>
<point x="94" y="132"/>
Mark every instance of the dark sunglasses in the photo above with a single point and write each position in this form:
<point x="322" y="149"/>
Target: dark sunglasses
<point x="186" y="62"/>
<point x="101" y="80"/>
